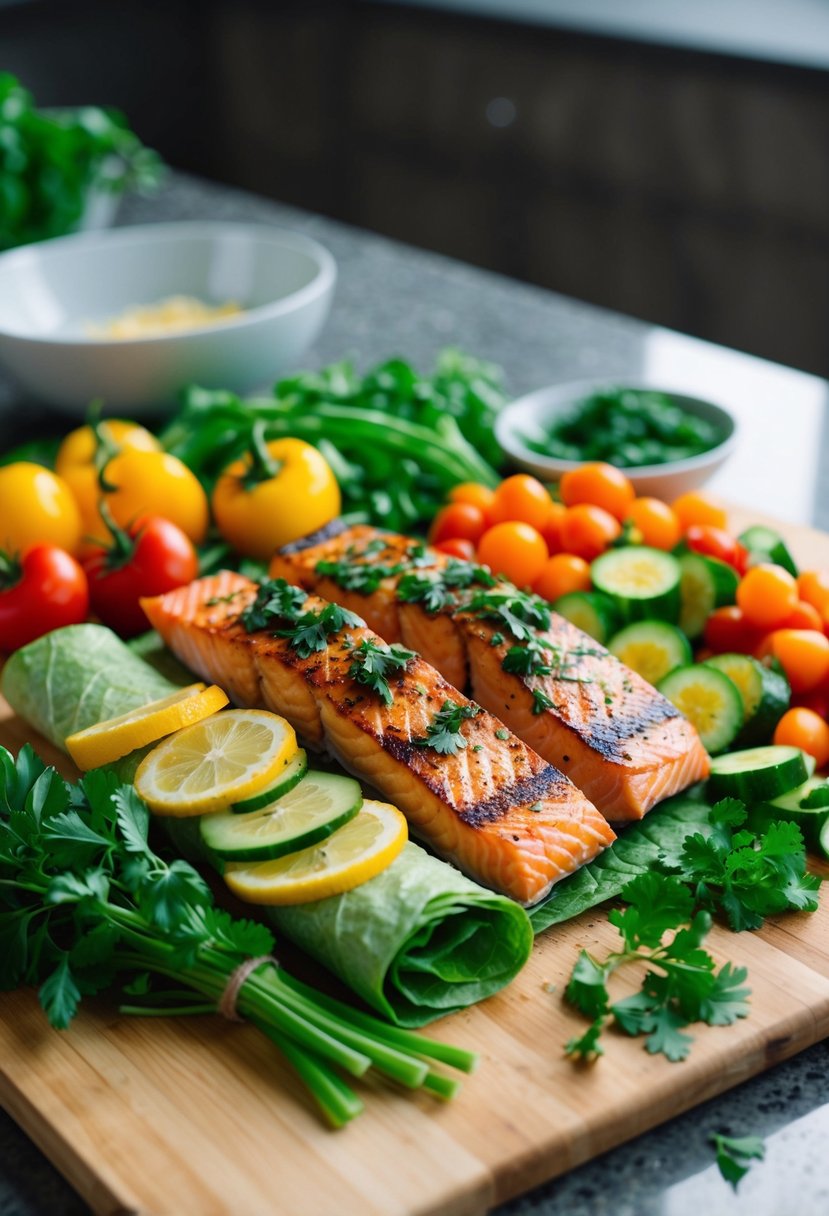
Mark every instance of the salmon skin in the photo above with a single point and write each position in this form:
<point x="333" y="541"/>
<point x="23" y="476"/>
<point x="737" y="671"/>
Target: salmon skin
<point x="610" y="731"/>
<point x="492" y="806"/>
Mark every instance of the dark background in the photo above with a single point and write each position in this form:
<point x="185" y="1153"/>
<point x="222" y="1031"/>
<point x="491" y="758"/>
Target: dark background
<point x="690" y="189"/>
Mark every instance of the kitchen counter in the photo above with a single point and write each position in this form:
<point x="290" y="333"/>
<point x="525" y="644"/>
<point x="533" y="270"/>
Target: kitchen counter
<point x="392" y="299"/>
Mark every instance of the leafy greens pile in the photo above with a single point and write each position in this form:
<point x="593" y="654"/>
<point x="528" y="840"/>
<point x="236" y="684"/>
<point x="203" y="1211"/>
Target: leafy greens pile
<point x="50" y="161"/>
<point x="85" y="903"/>
<point x="397" y="441"/>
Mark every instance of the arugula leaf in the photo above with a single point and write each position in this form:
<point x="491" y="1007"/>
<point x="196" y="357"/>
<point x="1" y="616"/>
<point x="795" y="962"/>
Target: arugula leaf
<point x="444" y="731"/>
<point x="735" y="1154"/>
<point x="374" y="662"/>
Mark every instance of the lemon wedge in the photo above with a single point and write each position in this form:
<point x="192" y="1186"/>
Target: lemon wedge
<point x="117" y="737"/>
<point x="221" y="760"/>
<point x="367" y="844"/>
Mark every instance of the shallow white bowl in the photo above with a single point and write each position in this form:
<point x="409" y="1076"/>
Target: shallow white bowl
<point x="51" y="292"/>
<point x="533" y="414"/>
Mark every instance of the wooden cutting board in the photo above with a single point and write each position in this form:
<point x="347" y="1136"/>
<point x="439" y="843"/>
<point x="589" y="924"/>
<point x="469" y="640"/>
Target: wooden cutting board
<point x="200" y="1116"/>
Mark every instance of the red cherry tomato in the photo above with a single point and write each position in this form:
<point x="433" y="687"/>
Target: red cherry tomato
<point x="456" y="546"/>
<point x="716" y="542"/>
<point x="154" y="556"/>
<point x="44" y="591"/>
<point x="727" y="631"/>
<point x="459" y="519"/>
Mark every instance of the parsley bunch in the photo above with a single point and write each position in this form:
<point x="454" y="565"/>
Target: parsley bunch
<point x="86" y="904"/>
<point x="743" y="876"/>
<point x="680" y="986"/>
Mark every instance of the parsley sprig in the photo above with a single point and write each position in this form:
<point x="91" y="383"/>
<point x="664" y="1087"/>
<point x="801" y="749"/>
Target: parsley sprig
<point x="311" y="631"/>
<point x="362" y="577"/>
<point x="735" y="1154"/>
<point x="443" y="733"/>
<point x="373" y="663"/>
<point x="86" y="904"/>
<point x="743" y="876"/>
<point x="516" y="611"/>
<point x="681" y="985"/>
<point x="280" y="603"/>
<point x="276" y="600"/>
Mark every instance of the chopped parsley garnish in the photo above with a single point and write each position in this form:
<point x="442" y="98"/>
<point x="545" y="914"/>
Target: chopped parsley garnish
<point x="444" y="731"/>
<point x="430" y="591"/>
<point x="518" y="611"/>
<point x="311" y="631"/>
<point x="540" y="657"/>
<point x="496" y="639"/>
<point x="681" y="984"/>
<point x="502" y="734"/>
<point x="364" y="578"/>
<point x="276" y="600"/>
<point x="541" y="701"/>
<point x="223" y="599"/>
<point x="374" y="662"/>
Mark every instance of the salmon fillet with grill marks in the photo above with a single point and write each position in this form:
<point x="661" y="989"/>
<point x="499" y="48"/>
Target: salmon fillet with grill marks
<point x="495" y="808"/>
<point x="610" y="731"/>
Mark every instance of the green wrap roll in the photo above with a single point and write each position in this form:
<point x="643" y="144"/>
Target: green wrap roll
<point x="418" y="941"/>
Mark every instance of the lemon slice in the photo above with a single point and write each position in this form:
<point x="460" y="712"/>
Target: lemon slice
<point x="367" y="844"/>
<point x="117" y="737"/>
<point x="208" y="766"/>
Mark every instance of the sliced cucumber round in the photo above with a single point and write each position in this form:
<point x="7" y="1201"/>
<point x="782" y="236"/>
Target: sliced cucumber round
<point x="651" y="648"/>
<point x="823" y="839"/>
<point x="307" y="814"/>
<point x="790" y="807"/>
<point x="765" y="691"/>
<point x="705" y="584"/>
<point x="757" y="774"/>
<point x="709" y="700"/>
<point x="291" y="775"/>
<point x="590" y="611"/>
<point x="765" y="544"/>
<point x="643" y="583"/>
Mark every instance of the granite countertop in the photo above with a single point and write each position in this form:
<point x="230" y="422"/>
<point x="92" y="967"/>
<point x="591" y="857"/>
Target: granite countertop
<point x="393" y="299"/>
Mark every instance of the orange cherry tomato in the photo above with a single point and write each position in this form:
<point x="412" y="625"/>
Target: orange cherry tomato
<point x="456" y="546"/>
<point x="657" y="522"/>
<point x="803" y="655"/>
<point x="804" y="616"/>
<point x="522" y="498"/>
<point x="459" y="519"/>
<point x="514" y="549"/>
<point x="552" y="529"/>
<point x="476" y="495"/>
<point x="813" y="587"/>
<point x="767" y="595"/>
<point x="587" y="531"/>
<point x="599" y="485"/>
<point x="727" y="631"/>
<point x="562" y="574"/>
<point x="696" y="508"/>
<point x="805" y="729"/>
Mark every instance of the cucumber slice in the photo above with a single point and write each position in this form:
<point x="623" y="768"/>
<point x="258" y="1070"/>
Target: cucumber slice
<point x="766" y="544"/>
<point x="706" y="583"/>
<point x="709" y="700"/>
<point x="290" y="776"/>
<point x="789" y="806"/>
<point x="651" y="648"/>
<point x="765" y="691"/>
<point x="643" y="583"/>
<point x="757" y="773"/>
<point x="823" y="839"/>
<point x="307" y="814"/>
<point x="590" y="611"/>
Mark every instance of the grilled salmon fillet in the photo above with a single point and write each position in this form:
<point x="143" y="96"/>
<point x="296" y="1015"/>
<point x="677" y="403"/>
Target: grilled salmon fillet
<point x="494" y="807"/>
<point x="610" y="731"/>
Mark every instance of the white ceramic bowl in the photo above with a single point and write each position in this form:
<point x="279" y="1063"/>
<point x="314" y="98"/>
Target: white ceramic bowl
<point x="533" y="414"/>
<point x="51" y="292"/>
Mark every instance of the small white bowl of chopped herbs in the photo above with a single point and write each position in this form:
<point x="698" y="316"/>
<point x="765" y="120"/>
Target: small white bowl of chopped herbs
<point x="666" y="441"/>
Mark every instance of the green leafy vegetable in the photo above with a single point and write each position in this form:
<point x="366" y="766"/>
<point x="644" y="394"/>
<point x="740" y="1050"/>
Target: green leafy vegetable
<point x="516" y="611"/>
<point x="397" y="441"/>
<point x="85" y="903"/>
<point x="735" y="1155"/>
<point x="373" y="663"/>
<point x="311" y="631"/>
<point x="444" y="732"/>
<point x="681" y="985"/>
<point x="276" y="601"/>
<point x="51" y="161"/>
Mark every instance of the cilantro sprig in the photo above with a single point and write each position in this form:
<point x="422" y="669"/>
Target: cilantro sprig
<point x="86" y="904"/>
<point x="743" y="876"/>
<point x="373" y="663"/>
<point x="681" y="985"/>
<point x="443" y="733"/>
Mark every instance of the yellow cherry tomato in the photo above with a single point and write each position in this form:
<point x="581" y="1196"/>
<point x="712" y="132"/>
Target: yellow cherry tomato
<point x="36" y="506"/>
<point x="300" y="496"/>
<point x="148" y="483"/>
